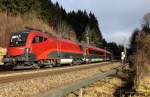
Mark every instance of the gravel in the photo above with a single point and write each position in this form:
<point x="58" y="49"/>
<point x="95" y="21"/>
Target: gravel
<point x="27" y="88"/>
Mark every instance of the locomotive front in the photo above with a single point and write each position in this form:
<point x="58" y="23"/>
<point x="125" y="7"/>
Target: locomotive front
<point x="18" y="51"/>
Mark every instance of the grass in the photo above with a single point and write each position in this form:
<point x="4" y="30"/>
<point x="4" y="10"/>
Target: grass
<point x="143" y="89"/>
<point x="103" y="88"/>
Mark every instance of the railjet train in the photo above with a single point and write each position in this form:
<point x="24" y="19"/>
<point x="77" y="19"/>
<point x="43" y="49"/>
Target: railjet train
<point x="32" y="47"/>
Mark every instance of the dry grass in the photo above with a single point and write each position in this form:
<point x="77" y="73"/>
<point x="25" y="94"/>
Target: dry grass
<point x="143" y="89"/>
<point x="11" y="24"/>
<point x="103" y="88"/>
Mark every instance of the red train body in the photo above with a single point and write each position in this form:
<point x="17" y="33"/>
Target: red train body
<point x="34" y="47"/>
<point x="97" y="54"/>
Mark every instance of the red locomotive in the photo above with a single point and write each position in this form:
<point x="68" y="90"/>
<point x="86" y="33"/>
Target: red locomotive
<point x="33" y="48"/>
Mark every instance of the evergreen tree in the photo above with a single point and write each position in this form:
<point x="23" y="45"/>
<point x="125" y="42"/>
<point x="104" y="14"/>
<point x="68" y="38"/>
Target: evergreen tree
<point x="54" y="15"/>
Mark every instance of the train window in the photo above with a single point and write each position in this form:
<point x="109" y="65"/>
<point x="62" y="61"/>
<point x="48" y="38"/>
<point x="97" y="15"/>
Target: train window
<point x="18" y="39"/>
<point x="37" y="39"/>
<point x="40" y="39"/>
<point x="92" y="52"/>
<point x="45" y="39"/>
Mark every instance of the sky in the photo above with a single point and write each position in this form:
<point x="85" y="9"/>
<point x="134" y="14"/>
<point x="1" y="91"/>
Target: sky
<point x="117" y="18"/>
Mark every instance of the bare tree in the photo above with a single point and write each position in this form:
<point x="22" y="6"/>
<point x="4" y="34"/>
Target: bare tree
<point x="146" y="23"/>
<point x="147" y="20"/>
<point x="66" y="31"/>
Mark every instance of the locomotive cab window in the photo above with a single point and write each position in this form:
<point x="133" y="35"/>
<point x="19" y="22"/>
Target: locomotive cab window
<point x="37" y="39"/>
<point x="45" y="39"/>
<point x="18" y="39"/>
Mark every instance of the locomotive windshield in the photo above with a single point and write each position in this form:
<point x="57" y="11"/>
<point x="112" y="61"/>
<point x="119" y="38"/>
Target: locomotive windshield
<point x="18" y="39"/>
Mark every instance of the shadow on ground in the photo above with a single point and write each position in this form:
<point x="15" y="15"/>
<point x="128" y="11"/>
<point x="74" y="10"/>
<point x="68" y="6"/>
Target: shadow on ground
<point x="5" y="68"/>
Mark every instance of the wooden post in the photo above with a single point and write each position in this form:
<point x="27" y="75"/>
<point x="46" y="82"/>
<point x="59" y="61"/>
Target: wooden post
<point x="81" y="92"/>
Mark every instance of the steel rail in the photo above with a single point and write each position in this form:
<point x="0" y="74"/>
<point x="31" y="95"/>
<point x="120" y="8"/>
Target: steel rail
<point x="23" y="75"/>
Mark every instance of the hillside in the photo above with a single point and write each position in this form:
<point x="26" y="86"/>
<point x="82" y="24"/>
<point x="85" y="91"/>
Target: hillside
<point x="43" y="14"/>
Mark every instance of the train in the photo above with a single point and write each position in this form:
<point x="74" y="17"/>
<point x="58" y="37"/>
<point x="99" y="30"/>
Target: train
<point x="33" y="47"/>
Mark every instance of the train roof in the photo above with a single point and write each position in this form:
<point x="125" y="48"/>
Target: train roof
<point x="52" y="36"/>
<point x="99" y="49"/>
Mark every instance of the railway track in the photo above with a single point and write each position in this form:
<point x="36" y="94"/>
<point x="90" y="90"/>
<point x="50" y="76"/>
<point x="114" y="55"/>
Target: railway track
<point x="32" y="82"/>
<point x="11" y="76"/>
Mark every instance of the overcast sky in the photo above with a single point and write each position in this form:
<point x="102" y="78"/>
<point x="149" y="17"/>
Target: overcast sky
<point x="117" y="18"/>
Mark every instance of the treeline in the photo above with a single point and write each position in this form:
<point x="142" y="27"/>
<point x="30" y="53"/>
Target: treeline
<point x="81" y="23"/>
<point x="115" y="49"/>
<point x="139" y="36"/>
<point x="140" y="49"/>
